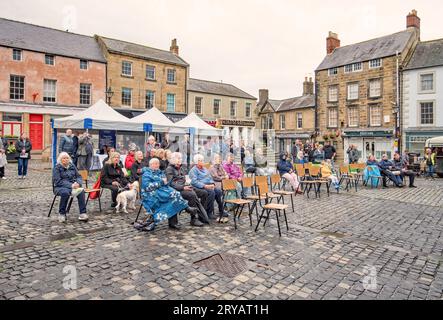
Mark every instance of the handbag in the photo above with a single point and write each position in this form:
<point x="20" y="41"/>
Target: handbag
<point x="96" y="194"/>
<point x="24" y="155"/>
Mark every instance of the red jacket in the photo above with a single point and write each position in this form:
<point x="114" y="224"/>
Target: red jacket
<point x="130" y="159"/>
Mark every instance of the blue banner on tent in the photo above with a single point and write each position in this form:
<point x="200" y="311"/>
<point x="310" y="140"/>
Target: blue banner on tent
<point x="147" y="127"/>
<point x="107" y="138"/>
<point x="87" y="123"/>
<point x="192" y="130"/>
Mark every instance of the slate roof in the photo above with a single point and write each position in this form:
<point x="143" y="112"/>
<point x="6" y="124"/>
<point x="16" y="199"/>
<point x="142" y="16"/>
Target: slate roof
<point x="306" y="101"/>
<point x="427" y="54"/>
<point x="223" y="89"/>
<point x="141" y="51"/>
<point x="364" y="51"/>
<point x="20" y="35"/>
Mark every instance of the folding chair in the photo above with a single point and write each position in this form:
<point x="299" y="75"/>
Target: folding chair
<point x="315" y="174"/>
<point x="263" y="192"/>
<point x="370" y="170"/>
<point x="248" y="182"/>
<point x="55" y="197"/>
<point x="85" y="176"/>
<point x="345" y="175"/>
<point x="275" y="188"/>
<point x="229" y="185"/>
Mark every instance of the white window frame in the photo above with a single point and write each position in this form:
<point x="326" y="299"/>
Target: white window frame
<point x="333" y="71"/>
<point x="45" y="90"/>
<point x="235" y="109"/>
<point x="299" y="116"/>
<point x="53" y="59"/>
<point x="146" y="71"/>
<point x="90" y="94"/>
<point x="420" y="90"/>
<point x="348" y="91"/>
<point x="219" y="106"/>
<point x="24" y="87"/>
<point x="124" y="74"/>
<point x="248" y="107"/>
<point x="87" y="64"/>
<point x="371" y="108"/>
<point x="130" y="91"/>
<point x="419" y="114"/>
<point x="282" y="122"/>
<point x="371" y="81"/>
<point x="329" y="93"/>
<point x="174" y="72"/>
<point x="354" y="109"/>
<point x="13" y="54"/>
<point x="375" y="63"/>
<point x="173" y="95"/>
<point x="201" y="105"/>
<point x="329" y="117"/>
<point x="353" y="67"/>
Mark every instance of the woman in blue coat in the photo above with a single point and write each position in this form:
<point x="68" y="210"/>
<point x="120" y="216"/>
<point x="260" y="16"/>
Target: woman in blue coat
<point x="159" y="199"/>
<point x="67" y="182"/>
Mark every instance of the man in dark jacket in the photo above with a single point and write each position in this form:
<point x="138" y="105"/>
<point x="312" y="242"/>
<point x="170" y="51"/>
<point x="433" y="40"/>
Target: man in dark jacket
<point x="330" y="151"/>
<point x="67" y="143"/>
<point x="385" y="168"/>
<point x="401" y="165"/>
<point x="75" y="148"/>
<point x="176" y="176"/>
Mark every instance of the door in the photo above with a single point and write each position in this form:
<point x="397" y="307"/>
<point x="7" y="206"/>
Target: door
<point x="36" y="131"/>
<point x="369" y="147"/>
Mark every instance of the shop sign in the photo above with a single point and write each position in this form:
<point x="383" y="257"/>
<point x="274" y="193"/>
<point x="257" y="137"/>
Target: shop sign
<point x="387" y="133"/>
<point x="239" y="123"/>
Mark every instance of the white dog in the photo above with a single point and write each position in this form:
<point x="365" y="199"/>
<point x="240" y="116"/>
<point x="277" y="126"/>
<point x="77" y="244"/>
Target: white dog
<point x="127" y="197"/>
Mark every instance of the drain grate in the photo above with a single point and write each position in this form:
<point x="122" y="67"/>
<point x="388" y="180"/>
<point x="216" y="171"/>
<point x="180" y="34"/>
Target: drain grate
<point x="226" y="264"/>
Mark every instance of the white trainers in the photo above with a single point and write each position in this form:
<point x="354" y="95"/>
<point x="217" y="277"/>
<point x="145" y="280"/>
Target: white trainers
<point x="24" y="177"/>
<point x="62" y="218"/>
<point x="3" y="178"/>
<point x="83" y="217"/>
<point x="20" y="177"/>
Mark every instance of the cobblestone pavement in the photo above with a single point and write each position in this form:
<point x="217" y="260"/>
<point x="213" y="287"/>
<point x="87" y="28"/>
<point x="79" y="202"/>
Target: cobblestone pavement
<point x="370" y="244"/>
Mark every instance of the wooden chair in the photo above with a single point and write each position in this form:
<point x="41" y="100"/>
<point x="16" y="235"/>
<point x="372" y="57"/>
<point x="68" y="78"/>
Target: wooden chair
<point x="346" y="176"/>
<point x="301" y="171"/>
<point x="357" y="169"/>
<point x="263" y="191"/>
<point x="85" y="176"/>
<point x="248" y="183"/>
<point x="229" y="185"/>
<point x="315" y="174"/>
<point x="277" y="189"/>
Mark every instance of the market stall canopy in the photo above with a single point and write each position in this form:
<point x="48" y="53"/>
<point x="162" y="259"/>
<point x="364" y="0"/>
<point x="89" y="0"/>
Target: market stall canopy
<point x="99" y="116"/>
<point x="158" y="121"/>
<point x="193" y="121"/>
<point x="435" y="142"/>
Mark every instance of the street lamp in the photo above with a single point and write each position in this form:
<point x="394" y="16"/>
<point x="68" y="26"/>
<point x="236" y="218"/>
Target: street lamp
<point x="109" y="95"/>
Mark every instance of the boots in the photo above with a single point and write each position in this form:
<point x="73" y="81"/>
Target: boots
<point x="194" y="214"/>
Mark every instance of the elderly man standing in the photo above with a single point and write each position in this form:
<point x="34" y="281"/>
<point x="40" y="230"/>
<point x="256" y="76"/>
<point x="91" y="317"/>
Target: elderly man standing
<point x="67" y="143"/>
<point x="201" y="179"/>
<point x="176" y="176"/>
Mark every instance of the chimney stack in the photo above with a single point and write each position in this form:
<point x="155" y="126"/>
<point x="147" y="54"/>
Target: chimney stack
<point x="332" y="42"/>
<point x="263" y="96"/>
<point x="412" y="20"/>
<point x="174" y="47"/>
<point x="308" y="86"/>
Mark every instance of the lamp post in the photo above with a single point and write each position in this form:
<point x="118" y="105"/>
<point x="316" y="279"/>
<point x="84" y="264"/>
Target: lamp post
<point x="109" y="95"/>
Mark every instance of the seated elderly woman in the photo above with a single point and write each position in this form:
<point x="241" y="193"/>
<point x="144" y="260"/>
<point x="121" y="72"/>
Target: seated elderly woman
<point x="68" y="182"/>
<point x="113" y="178"/>
<point x="201" y="179"/>
<point x="300" y="159"/>
<point x="137" y="167"/>
<point x="234" y="173"/>
<point x="176" y="175"/>
<point x="286" y="171"/>
<point x="161" y="200"/>
<point x="327" y="173"/>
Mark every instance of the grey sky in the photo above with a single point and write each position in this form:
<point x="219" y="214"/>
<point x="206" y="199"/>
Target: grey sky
<point x="252" y="44"/>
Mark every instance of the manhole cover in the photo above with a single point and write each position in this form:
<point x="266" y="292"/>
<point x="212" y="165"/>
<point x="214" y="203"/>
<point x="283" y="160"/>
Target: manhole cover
<point x="226" y="264"/>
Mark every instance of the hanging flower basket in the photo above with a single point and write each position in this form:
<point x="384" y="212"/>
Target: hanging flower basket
<point x="332" y="135"/>
<point x="326" y="137"/>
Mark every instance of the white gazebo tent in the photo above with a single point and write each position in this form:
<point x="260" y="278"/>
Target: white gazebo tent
<point x="193" y="121"/>
<point x="156" y="121"/>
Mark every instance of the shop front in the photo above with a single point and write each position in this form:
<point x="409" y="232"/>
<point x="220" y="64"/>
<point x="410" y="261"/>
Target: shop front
<point x="375" y="142"/>
<point x="286" y="140"/>
<point x="238" y="131"/>
<point x="415" y="140"/>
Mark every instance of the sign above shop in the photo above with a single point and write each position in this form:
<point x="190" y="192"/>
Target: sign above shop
<point x="386" y="133"/>
<point x="239" y="123"/>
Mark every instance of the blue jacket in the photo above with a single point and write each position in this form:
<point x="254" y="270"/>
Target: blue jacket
<point x="385" y="164"/>
<point x="372" y="163"/>
<point x="284" y="166"/>
<point x="200" y="178"/>
<point x="67" y="145"/>
<point x="63" y="178"/>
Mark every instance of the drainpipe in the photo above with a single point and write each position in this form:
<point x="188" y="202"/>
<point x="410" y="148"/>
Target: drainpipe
<point x="398" y="115"/>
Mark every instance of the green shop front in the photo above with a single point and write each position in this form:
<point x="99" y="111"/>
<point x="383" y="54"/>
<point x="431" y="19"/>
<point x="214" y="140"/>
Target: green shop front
<point x="415" y="140"/>
<point x="375" y="142"/>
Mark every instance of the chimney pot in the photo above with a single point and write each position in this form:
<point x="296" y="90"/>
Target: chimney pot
<point x="263" y="96"/>
<point x="174" y="47"/>
<point x="413" y="20"/>
<point x="332" y="42"/>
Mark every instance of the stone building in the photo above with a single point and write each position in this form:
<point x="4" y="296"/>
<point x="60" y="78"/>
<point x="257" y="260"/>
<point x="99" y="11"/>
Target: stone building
<point x="224" y="106"/>
<point x="292" y="118"/>
<point x="141" y="77"/>
<point x="44" y="74"/>
<point x="357" y="96"/>
<point x="422" y="87"/>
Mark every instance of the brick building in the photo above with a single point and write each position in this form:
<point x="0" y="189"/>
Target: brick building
<point x="45" y="73"/>
<point x="357" y="96"/>
<point x="141" y="77"/>
<point x="292" y="118"/>
<point x="225" y="106"/>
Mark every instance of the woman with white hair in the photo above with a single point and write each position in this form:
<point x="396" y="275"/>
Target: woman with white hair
<point x="201" y="179"/>
<point x="67" y="182"/>
<point x="159" y="199"/>
<point x="113" y="177"/>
